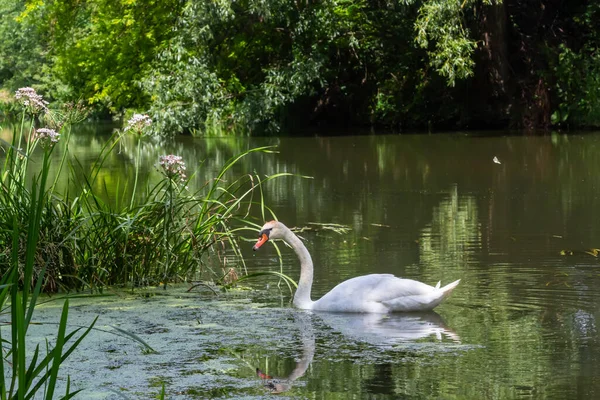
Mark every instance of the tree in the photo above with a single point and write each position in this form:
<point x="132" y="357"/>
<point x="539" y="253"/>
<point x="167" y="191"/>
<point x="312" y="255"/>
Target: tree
<point x="258" y="65"/>
<point x="102" y="48"/>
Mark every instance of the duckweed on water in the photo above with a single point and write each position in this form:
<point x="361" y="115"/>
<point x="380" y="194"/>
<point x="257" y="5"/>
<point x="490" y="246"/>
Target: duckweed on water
<point x="218" y="357"/>
<point x="76" y="240"/>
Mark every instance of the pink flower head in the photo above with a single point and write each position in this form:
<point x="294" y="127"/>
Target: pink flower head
<point x="48" y="137"/>
<point x="31" y="100"/>
<point x="173" y="167"/>
<point x="138" y="122"/>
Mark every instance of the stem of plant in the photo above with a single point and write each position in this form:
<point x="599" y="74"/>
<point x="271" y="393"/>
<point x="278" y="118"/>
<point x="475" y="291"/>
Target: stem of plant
<point x="137" y="171"/>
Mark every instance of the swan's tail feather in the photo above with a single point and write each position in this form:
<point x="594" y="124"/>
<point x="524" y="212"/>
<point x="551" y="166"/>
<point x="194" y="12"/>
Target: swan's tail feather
<point x="438" y="284"/>
<point x="449" y="287"/>
<point x="424" y="301"/>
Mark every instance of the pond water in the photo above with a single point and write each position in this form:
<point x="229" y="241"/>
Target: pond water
<point x="514" y="217"/>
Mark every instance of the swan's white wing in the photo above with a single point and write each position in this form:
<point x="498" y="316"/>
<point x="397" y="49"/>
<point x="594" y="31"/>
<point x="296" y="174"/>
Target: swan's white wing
<point x="370" y="293"/>
<point x="424" y="301"/>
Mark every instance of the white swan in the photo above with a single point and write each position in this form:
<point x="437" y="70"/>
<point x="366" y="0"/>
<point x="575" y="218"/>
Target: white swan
<point x="375" y="293"/>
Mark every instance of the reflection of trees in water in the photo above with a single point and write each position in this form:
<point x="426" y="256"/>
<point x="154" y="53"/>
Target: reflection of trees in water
<point x="454" y="234"/>
<point x="204" y="159"/>
<point x="507" y="354"/>
<point x="379" y="382"/>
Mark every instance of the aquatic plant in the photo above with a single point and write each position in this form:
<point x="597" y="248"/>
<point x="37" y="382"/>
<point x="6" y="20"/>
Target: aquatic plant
<point x="47" y="137"/>
<point x="24" y="210"/>
<point x="23" y="376"/>
<point x="162" y="233"/>
<point x="138" y="123"/>
<point x="173" y="167"/>
<point x="165" y="233"/>
<point x="31" y="100"/>
<point x="58" y="218"/>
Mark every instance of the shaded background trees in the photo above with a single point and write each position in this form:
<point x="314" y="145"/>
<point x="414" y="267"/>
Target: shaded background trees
<point x="252" y="66"/>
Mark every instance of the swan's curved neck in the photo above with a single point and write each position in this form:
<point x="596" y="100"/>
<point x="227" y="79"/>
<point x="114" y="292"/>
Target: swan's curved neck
<point x="302" y="297"/>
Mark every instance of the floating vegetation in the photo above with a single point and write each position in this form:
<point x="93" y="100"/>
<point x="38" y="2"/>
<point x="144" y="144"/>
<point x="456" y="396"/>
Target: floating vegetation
<point x="591" y="252"/>
<point x="316" y="227"/>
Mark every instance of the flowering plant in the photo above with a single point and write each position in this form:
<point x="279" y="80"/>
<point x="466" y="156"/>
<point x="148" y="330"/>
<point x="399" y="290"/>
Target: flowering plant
<point x="138" y="122"/>
<point x="47" y="137"/>
<point x="29" y="98"/>
<point x="173" y="167"/>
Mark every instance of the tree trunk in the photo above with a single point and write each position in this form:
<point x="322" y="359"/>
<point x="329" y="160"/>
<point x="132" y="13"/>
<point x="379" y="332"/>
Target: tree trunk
<point x="490" y="92"/>
<point x="508" y="88"/>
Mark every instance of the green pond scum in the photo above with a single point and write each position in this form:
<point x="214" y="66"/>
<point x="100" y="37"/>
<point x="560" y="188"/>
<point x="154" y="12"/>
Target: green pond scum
<point x="512" y="216"/>
<point x="299" y="351"/>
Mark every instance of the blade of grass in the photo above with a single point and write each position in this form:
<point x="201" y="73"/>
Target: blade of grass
<point x="136" y="338"/>
<point x="58" y="347"/>
<point x="33" y="364"/>
<point x="20" y="347"/>
<point x="162" y="392"/>
<point x="35" y="295"/>
<point x="2" y="372"/>
<point x="44" y="362"/>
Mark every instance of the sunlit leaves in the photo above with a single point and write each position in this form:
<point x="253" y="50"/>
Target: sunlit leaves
<point x="443" y="23"/>
<point x="104" y="47"/>
<point x="234" y="65"/>
<point x="244" y="65"/>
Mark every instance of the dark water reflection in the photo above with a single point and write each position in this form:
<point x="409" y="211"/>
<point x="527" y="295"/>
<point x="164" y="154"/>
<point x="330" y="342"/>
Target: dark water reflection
<point x="376" y="341"/>
<point x="520" y="234"/>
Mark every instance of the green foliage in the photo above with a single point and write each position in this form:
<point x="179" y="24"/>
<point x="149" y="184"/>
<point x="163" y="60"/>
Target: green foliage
<point x="232" y="64"/>
<point x="243" y="65"/>
<point x="25" y="376"/>
<point x="577" y="73"/>
<point x="23" y="54"/>
<point x="250" y="66"/>
<point x="102" y="48"/>
<point x="443" y="23"/>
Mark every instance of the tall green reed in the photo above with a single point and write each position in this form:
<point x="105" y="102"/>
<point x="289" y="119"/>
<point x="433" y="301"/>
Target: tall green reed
<point x="166" y="232"/>
<point x="24" y="208"/>
<point x="163" y="233"/>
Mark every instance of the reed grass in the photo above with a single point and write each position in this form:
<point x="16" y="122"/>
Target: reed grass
<point x="164" y="233"/>
<point x="54" y="242"/>
<point x="25" y="208"/>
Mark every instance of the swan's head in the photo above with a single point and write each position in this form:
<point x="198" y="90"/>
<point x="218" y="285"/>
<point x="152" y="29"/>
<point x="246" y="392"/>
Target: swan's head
<point x="270" y="230"/>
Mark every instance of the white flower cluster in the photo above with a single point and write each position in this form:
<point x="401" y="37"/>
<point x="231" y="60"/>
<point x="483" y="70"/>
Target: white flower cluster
<point x="138" y="122"/>
<point x="30" y="99"/>
<point x="48" y="137"/>
<point x="173" y="167"/>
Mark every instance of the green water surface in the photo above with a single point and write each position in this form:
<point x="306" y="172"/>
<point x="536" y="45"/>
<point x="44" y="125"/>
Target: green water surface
<point x="515" y="217"/>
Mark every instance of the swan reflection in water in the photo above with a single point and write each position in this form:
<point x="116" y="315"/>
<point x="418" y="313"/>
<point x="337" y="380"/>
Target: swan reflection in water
<point x="382" y="330"/>
<point x="389" y="329"/>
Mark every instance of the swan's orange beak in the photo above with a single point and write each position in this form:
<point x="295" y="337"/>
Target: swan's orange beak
<point x="263" y="239"/>
<point x="262" y="375"/>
